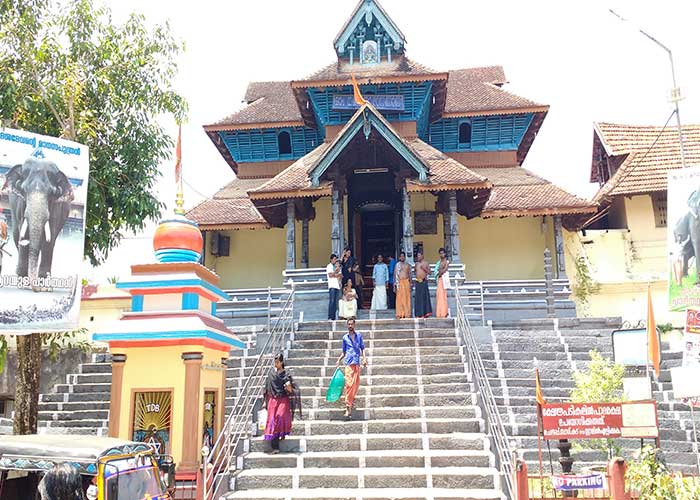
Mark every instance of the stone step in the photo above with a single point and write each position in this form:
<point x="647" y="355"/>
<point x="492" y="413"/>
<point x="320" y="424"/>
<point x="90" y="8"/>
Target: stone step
<point x="456" y="378"/>
<point x="73" y="406"/>
<point x="378" y="343"/>
<point x="408" y="359"/>
<point x="94" y="423"/>
<point x="89" y="378"/>
<point x="297" y="353"/>
<point x="321" y="371"/>
<point x="74" y="397"/>
<point x="370" y="427"/>
<point x="383" y="401"/>
<point x="74" y="415"/>
<point x="374" y="390"/>
<point x="361" y="325"/>
<point x="399" y="334"/>
<point x="378" y="458"/>
<point x="367" y="493"/>
<point x="83" y="388"/>
<point x="406" y="412"/>
<point x="400" y="477"/>
<point x="357" y="442"/>
<point x="96" y="368"/>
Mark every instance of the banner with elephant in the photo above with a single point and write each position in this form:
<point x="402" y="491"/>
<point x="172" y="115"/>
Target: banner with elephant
<point x="43" y="191"/>
<point x="684" y="238"/>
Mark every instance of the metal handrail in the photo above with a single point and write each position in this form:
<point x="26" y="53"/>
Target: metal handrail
<point x="487" y="402"/>
<point x="220" y="461"/>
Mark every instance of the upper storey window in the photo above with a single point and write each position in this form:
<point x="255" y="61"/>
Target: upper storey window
<point x="284" y="143"/>
<point x="465" y="133"/>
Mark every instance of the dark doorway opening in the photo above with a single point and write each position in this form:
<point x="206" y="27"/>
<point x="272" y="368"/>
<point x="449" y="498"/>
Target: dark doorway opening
<point x="378" y="229"/>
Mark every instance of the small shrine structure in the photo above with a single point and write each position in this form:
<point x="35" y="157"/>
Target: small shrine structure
<point x="169" y="351"/>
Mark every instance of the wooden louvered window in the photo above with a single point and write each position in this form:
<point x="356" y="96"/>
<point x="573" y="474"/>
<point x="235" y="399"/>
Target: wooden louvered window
<point x="660" y="203"/>
<point x="465" y="133"/>
<point x="284" y="143"/>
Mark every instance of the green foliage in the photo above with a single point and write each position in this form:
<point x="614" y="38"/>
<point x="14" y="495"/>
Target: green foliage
<point x="584" y="285"/>
<point x="66" y="70"/>
<point x="3" y="352"/>
<point x="664" y="328"/>
<point x="652" y="480"/>
<point x="61" y="341"/>
<point x="600" y="382"/>
<point x="113" y="280"/>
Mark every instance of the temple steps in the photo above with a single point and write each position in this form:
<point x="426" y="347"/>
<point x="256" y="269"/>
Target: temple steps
<point x="416" y="432"/>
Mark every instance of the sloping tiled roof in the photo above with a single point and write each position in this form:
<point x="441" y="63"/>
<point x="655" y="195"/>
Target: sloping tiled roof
<point x="475" y="91"/>
<point x="445" y="173"/>
<point x="230" y="208"/>
<point x="340" y="72"/>
<point x="267" y="102"/>
<point x="644" y="168"/>
<point x="517" y="191"/>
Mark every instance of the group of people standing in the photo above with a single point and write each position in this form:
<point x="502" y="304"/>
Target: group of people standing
<point x="393" y="283"/>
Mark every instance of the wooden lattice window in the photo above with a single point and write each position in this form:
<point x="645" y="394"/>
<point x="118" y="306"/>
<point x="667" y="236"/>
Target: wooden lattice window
<point x="660" y="203"/>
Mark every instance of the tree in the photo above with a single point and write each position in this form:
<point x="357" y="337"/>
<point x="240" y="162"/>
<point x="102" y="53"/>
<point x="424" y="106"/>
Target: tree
<point x="649" y="476"/>
<point x="601" y="382"/>
<point x="67" y="70"/>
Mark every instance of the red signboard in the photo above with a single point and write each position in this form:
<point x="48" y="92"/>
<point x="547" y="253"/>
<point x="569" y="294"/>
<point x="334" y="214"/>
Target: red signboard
<point x="636" y="419"/>
<point x="692" y="321"/>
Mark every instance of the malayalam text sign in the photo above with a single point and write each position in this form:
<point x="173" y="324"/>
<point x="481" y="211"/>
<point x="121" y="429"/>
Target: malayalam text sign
<point x="381" y="102"/>
<point x="43" y="192"/>
<point x="636" y="419"/>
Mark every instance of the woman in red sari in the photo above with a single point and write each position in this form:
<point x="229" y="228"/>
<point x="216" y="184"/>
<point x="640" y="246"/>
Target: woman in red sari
<point x="282" y="398"/>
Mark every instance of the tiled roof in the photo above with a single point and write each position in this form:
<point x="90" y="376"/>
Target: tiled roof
<point x="444" y="172"/>
<point x="644" y="168"/>
<point x="517" y="191"/>
<point x="476" y="91"/>
<point x="340" y="72"/>
<point x="267" y="102"/>
<point x="230" y="207"/>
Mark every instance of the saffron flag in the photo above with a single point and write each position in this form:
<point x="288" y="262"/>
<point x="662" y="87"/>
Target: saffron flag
<point x="356" y="93"/>
<point x="654" y="354"/>
<point x="538" y="389"/>
<point x="178" y="156"/>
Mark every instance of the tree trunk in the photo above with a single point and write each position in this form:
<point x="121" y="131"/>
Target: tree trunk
<point x="27" y="393"/>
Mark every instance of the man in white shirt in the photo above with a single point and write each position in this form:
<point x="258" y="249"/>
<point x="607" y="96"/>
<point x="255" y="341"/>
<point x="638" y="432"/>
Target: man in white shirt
<point x="333" y="273"/>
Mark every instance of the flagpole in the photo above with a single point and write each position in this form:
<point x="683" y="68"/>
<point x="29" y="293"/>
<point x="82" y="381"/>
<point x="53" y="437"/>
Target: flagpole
<point x="179" y="197"/>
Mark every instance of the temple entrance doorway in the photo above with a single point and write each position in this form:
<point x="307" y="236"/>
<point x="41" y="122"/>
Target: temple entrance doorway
<point x="374" y="216"/>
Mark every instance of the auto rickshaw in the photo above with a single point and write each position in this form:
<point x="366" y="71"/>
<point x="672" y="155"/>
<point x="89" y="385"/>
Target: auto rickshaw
<point x="121" y="470"/>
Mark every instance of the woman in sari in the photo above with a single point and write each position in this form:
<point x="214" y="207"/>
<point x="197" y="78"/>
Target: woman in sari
<point x="282" y="398"/>
<point x="347" y="306"/>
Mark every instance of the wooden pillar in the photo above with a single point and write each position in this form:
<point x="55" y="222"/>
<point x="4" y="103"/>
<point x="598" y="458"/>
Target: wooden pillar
<point x="291" y="236"/>
<point x="559" y="246"/>
<point x="305" y="243"/>
<point x="335" y="229"/>
<point x="446" y="233"/>
<point x="407" y="225"/>
<point x="115" y="398"/>
<point x="454" y="227"/>
<point x="191" y="433"/>
<point x="341" y="221"/>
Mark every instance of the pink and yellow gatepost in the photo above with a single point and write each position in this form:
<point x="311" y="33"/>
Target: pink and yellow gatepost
<point x="169" y="351"/>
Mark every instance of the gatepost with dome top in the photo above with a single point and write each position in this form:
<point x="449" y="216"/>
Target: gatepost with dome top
<point x="169" y="351"/>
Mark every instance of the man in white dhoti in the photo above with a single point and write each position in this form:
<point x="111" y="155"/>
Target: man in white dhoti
<point x="380" y="276"/>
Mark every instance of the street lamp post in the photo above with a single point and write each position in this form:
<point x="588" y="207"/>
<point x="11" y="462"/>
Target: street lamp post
<point x="675" y="92"/>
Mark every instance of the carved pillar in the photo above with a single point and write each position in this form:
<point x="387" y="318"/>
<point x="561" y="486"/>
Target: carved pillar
<point x="407" y="225"/>
<point x="341" y="221"/>
<point x="190" y="428"/>
<point x="549" y="286"/>
<point x="291" y="236"/>
<point x="305" y="243"/>
<point x="446" y="233"/>
<point x="559" y="246"/>
<point x="454" y="227"/>
<point x="115" y="399"/>
<point x="335" y="229"/>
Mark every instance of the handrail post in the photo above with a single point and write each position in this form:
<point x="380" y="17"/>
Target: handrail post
<point x="269" y="307"/>
<point x="483" y="313"/>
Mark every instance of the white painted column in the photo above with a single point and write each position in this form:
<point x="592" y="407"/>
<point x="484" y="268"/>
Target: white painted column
<point x="454" y="228"/>
<point x="291" y="236"/>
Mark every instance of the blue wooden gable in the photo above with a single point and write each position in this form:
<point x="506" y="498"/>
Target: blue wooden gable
<point x="416" y="97"/>
<point x="480" y="133"/>
<point x="258" y="145"/>
<point x="369" y="24"/>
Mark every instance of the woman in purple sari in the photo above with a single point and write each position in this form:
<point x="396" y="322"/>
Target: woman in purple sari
<point x="282" y="398"/>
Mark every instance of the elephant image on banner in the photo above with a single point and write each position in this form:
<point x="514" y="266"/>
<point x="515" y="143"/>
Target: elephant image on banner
<point x="40" y="198"/>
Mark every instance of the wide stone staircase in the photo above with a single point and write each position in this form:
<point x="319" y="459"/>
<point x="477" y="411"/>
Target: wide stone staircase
<point x="417" y="431"/>
<point x="81" y="404"/>
<point x="557" y="350"/>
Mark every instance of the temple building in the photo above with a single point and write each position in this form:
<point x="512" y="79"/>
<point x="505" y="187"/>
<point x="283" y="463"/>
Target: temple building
<point x="433" y="159"/>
